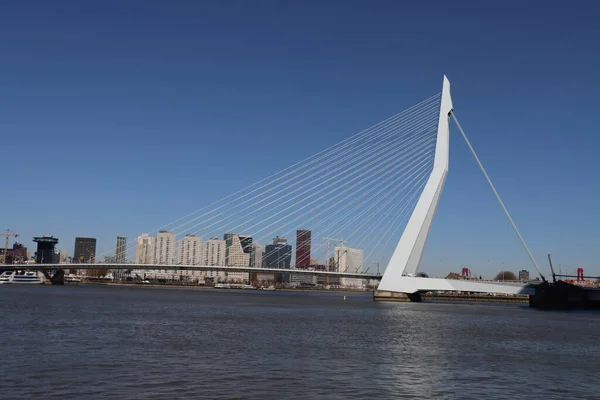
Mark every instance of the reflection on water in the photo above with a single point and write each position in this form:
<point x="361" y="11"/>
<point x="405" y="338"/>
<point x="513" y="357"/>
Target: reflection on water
<point x="77" y="342"/>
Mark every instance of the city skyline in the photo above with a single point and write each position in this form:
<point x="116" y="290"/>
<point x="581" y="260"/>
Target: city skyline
<point x="212" y="252"/>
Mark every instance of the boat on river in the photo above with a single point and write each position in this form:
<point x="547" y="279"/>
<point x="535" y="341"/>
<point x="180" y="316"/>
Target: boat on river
<point x="222" y="286"/>
<point x="20" y="277"/>
<point x="234" y="286"/>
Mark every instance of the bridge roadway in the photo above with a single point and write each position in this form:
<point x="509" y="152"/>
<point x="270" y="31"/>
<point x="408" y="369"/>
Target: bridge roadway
<point x="192" y="268"/>
<point x="406" y="285"/>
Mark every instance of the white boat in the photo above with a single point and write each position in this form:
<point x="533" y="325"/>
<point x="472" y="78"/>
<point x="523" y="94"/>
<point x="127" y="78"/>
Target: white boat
<point x="72" y="279"/>
<point x="233" y="286"/>
<point x="222" y="286"/>
<point x="19" y="277"/>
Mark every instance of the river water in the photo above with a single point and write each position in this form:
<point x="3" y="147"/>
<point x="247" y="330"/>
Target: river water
<point x="100" y="342"/>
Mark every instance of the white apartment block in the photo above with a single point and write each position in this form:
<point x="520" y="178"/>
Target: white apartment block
<point x="213" y="252"/>
<point x="190" y="253"/>
<point x="190" y="250"/>
<point x="143" y="249"/>
<point x="163" y="248"/>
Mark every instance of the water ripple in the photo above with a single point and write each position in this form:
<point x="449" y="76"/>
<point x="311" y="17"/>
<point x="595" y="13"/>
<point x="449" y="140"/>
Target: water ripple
<point x="78" y="342"/>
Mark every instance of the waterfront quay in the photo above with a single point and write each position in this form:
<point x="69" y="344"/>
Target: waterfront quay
<point x="215" y="286"/>
<point x="320" y="284"/>
<point x="452" y="297"/>
<point x="398" y="297"/>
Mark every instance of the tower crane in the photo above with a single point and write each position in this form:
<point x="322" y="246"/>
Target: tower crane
<point x="342" y="241"/>
<point x="335" y="265"/>
<point x="465" y="273"/>
<point x="7" y="235"/>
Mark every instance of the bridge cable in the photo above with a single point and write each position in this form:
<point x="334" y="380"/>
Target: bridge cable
<point x="423" y="173"/>
<point x="327" y="162"/>
<point x="331" y="179"/>
<point x="310" y="185"/>
<point x="350" y="192"/>
<point x="382" y="130"/>
<point x="362" y="203"/>
<point x="498" y="197"/>
<point x="322" y="155"/>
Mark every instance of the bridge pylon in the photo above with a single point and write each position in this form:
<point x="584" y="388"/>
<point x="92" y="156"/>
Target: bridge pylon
<point x="399" y="281"/>
<point x="406" y="258"/>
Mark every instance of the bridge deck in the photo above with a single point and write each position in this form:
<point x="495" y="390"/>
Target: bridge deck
<point x="194" y="268"/>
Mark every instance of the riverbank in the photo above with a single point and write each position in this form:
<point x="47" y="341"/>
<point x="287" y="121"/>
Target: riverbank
<point x="208" y="287"/>
<point x="445" y="297"/>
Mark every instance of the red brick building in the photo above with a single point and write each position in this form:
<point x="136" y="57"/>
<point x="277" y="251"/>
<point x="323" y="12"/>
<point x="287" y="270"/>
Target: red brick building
<point x="303" y="239"/>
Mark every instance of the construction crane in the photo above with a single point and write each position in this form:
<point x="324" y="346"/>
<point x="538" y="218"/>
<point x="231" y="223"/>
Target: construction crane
<point x="335" y="265"/>
<point x="551" y="269"/>
<point x="342" y="241"/>
<point x="7" y="235"/>
<point x="336" y="240"/>
<point x="465" y="273"/>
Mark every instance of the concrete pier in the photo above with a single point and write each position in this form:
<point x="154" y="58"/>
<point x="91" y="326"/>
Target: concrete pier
<point x="385" y="295"/>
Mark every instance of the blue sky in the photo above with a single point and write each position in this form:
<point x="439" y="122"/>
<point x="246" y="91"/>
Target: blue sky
<point x="118" y="116"/>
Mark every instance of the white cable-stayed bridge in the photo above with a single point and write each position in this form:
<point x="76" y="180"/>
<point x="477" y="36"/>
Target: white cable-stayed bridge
<point x="377" y="191"/>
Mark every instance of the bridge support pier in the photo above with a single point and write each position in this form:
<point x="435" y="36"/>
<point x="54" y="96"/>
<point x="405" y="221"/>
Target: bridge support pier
<point x="387" y="295"/>
<point x="56" y="277"/>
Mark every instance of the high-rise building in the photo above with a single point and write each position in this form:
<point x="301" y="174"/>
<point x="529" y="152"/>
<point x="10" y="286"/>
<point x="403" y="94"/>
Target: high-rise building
<point x="60" y="256"/>
<point x="143" y="249"/>
<point x="246" y="242"/>
<point x="303" y="239"/>
<point x="213" y="252"/>
<point x="235" y="256"/>
<point x="190" y="253"/>
<point x="63" y="257"/>
<point x="348" y="260"/>
<point x="227" y="237"/>
<point x="524" y="275"/>
<point x="256" y="257"/>
<point x="278" y="254"/>
<point x="120" y="250"/>
<point x="85" y="250"/>
<point x="45" y="249"/>
<point x="163" y="248"/>
<point x="190" y="250"/>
